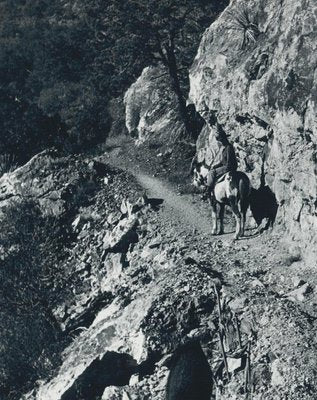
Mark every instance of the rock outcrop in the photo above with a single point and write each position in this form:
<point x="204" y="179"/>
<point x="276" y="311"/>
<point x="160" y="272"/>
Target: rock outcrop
<point x="256" y="71"/>
<point x="151" y="108"/>
<point x="58" y="184"/>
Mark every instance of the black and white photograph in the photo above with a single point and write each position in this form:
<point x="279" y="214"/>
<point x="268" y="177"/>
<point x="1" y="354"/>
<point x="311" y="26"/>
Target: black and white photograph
<point x="158" y="200"/>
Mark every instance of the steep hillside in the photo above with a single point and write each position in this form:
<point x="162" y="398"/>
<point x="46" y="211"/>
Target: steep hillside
<point x="256" y="71"/>
<point x="142" y="274"/>
<point x="46" y="210"/>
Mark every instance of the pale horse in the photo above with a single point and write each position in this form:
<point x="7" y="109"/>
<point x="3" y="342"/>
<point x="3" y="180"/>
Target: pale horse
<point x="232" y="189"/>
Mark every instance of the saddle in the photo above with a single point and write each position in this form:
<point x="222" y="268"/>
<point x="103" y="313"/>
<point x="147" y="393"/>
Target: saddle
<point x="221" y="178"/>
<point x="218" y="180"/>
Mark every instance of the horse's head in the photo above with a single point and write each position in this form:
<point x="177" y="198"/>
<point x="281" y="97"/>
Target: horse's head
<point x="198" y="180"/>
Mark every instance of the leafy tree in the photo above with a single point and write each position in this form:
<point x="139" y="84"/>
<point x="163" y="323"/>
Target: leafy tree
<point x="141" y="32"/>
<point x="62" y="62"/>
<point x="47" y="94"/>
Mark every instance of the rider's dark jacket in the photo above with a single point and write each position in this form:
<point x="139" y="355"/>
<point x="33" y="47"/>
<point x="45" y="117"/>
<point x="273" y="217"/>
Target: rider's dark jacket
<point x="227" y="162"/>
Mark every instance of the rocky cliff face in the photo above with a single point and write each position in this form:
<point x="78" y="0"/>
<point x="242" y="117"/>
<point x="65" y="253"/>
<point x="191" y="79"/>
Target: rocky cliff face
<point x="151" y="108"/>
<point x="256" y="70"/>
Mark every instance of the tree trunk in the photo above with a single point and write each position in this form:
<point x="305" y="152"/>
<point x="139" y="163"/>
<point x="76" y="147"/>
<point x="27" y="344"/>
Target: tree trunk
<point x="176" y="88"/>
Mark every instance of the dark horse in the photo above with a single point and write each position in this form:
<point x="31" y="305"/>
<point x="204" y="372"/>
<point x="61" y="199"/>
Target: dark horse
<point x="231" y="189"/>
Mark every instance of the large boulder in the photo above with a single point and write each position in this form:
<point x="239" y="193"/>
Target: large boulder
<point x="256" y="71"/>
<point x="151" y="107"/>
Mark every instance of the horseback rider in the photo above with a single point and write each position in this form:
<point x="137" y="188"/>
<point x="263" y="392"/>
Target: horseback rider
<point x="227" y="161"/>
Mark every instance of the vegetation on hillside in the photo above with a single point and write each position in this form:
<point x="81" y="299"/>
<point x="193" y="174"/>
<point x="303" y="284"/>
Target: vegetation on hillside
<point x="62" y="62"/>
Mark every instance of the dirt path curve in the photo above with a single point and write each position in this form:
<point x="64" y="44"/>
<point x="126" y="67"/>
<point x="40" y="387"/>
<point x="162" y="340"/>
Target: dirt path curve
<point x="187" y="213"/>
<point x="176" y="206"/>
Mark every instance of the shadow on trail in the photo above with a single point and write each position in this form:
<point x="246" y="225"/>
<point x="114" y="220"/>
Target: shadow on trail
<point x="250" y="236"/>
<point x="155" y="203"/>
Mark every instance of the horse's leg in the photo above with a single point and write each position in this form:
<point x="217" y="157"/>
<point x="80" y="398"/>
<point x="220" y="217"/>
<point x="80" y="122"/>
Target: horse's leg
<point x="214" y="215"/>
<point x="244" y="207"/>
<point x="244" y="189"/>
<point x="221" y="215"/>
<point x="237" y="214"/>
<point x="243" y="222"/>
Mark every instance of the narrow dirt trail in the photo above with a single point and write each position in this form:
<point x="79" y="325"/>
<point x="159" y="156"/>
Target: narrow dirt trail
<point x="176" y="206"/>
<point x="188" y="218"/>
<point x="184" y="212"/>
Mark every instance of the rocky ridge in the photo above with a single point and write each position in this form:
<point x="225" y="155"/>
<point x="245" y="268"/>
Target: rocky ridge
<point x="142" y="280"/>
